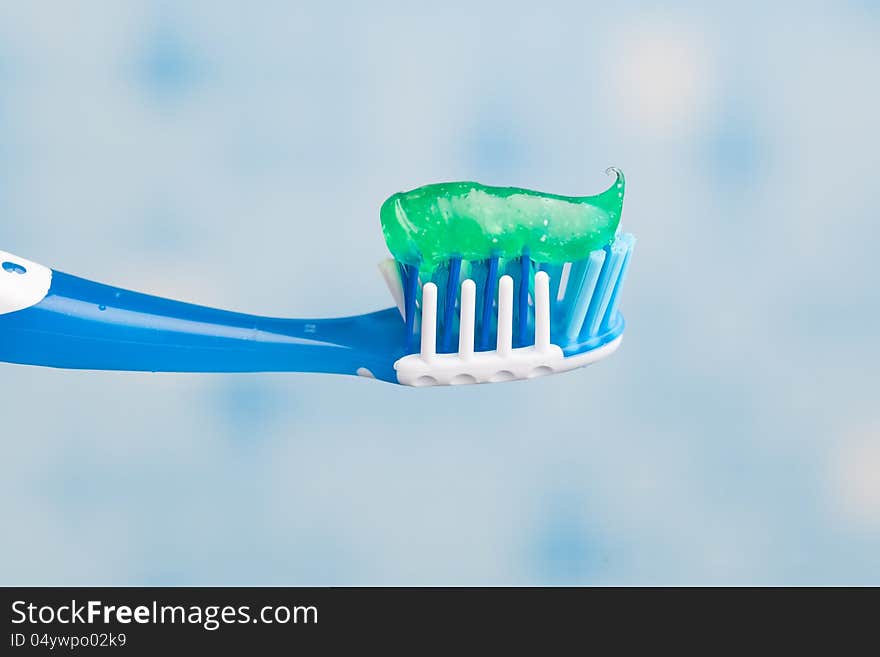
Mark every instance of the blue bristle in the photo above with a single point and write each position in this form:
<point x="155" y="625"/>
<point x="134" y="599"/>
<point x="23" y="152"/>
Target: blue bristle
<point x="410" y="288"/>
<point x="576" y="271"/>
<point x="522" y="319"/>
<point x="604" y="287"/>
<point x="488" y="299"/>
<point x="611" y="313"/>
<point x="401" y="269"/>
<point x="596" y="299"/>
<point x="555" y="274"/>
<point x="572" y="287"/>
<point x="477" y="273"/>
<point x="449" y="304"/>
<point x="439" y="278"/>
<point x="592" y="267"/>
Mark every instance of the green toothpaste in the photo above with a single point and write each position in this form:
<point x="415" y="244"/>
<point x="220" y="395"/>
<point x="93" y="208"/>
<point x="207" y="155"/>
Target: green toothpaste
<point x="430" y="224"/>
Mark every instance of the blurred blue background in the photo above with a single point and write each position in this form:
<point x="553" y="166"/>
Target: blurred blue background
<point x="236" y="154"/>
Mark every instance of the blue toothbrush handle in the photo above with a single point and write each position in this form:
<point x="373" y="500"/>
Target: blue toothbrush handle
<point x="54" y="319"/>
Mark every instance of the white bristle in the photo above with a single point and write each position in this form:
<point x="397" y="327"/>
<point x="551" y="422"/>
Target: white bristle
<point x="505" y="315"/>
<point x="542" y="311"/>
<point x="391" y="274"/>
<point x="466" y="323"/>
<point x="429" y="321"/>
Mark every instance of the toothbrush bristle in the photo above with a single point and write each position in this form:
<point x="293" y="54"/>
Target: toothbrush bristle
<point x="490" y="285"/>
<point x="452" y="291"/>
<point x="503" y="304"/>
<point x="522" y="282"/>
<point x="580" y="292"/>
<point x="410" y="291"/>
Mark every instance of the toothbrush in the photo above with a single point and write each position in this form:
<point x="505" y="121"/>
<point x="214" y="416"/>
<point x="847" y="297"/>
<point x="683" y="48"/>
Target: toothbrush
<point x="457" y="321"/>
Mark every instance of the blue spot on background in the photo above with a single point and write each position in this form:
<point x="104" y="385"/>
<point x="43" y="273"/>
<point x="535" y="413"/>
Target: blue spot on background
<point x="167" y="67"/>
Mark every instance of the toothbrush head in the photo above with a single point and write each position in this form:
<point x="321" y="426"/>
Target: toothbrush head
<point x="512" y="316"/>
